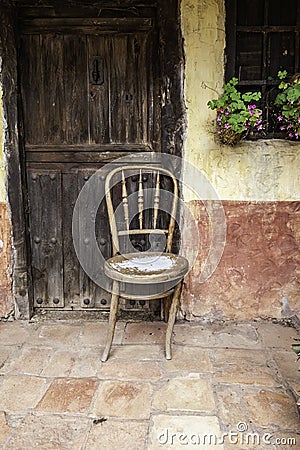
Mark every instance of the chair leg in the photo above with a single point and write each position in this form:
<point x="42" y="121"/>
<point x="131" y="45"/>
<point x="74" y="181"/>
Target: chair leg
<point x="112" y="320"/>
<point x="172" y="318"/>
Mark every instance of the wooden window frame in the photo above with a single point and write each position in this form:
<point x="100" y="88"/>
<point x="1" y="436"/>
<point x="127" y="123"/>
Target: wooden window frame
<point x="264" y="84"/>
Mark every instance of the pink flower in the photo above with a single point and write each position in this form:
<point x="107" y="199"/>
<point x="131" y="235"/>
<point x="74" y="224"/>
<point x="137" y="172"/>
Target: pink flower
<point x="282" y="128"/>
<point x="290" y="134"/>
<point x="226" y="126"/>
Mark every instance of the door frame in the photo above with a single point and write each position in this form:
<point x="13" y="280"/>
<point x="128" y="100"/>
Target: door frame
<point x="173" y="121"/>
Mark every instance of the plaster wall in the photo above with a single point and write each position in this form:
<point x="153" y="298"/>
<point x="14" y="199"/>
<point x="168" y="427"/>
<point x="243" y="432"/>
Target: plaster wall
<point x="257" y="182"/>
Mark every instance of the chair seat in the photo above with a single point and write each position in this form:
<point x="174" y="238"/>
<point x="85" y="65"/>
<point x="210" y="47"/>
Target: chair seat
<point x="146" y="268"/>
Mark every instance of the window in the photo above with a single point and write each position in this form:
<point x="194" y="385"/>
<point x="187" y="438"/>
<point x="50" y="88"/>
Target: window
<point x="262" y="38"/>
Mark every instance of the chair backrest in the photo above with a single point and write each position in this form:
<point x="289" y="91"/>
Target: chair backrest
<point x="148" y="198"/>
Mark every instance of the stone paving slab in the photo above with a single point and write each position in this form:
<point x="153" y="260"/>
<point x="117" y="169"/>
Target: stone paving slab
<point x="141" y="333"/>
<point x="71" y="395"/>
<point x="287" y="364"/>
<point x="130" y="370"/>
<point x="94" y="333"/>
<point x="189" y="359"/>
<point x="17" y="332"/>
<point x="138" y="352"/>
<point x="224" y="335"/>
<point x="55" y="393"/>
<point x="20" y="393"/>
<point x="82" y="362"/>
<point x="123" y="399"/>
<point x="185" y="394"/>
<point x="231" y="405"/>
<point x="30" y="361"/>
<point x="188" y="432"/>
<point x="50" y="432"/>
<point x="277" y="336"/>
<point x="270" y="408"/>
<point x="117" y="435"/>
<point x="243" y="367"/>
<point x="4" y="428"/>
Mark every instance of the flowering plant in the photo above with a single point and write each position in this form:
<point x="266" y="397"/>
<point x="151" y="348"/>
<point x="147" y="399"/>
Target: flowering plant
<point x="288" y="103"/>
<point x="237" y="114"/>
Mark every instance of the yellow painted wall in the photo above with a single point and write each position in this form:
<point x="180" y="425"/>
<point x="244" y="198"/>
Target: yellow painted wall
<point x="2" y="170"/>
<point x="265" y="170"/>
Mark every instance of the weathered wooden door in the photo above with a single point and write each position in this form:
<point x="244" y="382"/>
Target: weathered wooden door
<point x="89" y="94"/>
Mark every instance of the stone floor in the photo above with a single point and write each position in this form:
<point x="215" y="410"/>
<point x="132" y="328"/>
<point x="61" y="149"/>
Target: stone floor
<point x="228" y="386"/>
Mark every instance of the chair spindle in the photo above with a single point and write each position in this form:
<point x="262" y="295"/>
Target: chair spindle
<point x="141" y="201"/>
<point x="156" y="201"/>
<point x="125" y="201"/>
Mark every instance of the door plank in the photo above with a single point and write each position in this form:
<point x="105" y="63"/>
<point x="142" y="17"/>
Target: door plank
<point x="91" y="295"/>
<point x="71" y="268"/>
<point x="52" y="89"/>
<point x="45" y="219"/>
<point x="99" y="94"/>
<point x="75" y="88"/>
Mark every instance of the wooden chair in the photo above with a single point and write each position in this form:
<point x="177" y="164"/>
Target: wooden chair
<point x="156" y="274"/>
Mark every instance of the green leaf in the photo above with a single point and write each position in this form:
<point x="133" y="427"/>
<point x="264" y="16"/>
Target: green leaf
<point x="282" y="74"/>
<point x="296" y="348"/>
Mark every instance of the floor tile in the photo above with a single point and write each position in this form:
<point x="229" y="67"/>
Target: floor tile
<point x="188" y="432"/>
<point x="137" y="352"/>
<point x="4" y="428"/>
<point x="287" y="364"/>
<point x="83" y="363"/>
<point x="68" y="395"/>
<point x="236" y="366"/>
<point x="7" y="354"/>
<point x="130" y="370"/>
<point x="231" y="406"/>
<point x="115" y="435"/>
<point x="50" y="433"/>
<point x="277" y="336"/>
<point x="93" y="334"/>
<point x="185" y="394"/>
<point x="143" y="332"/>
<point x="17" y="332"/>
<point x="224" y="335"/>
<point x="238" y="336"/>
<point x="269" y="408"/>
<point x="123" y="399"/>
<point x="31" y="360"/>
<point x="191" y="359"/>
<point x="191" y="334"/>
<point x="58" y="334"/>
<point x="21" y="392"/>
